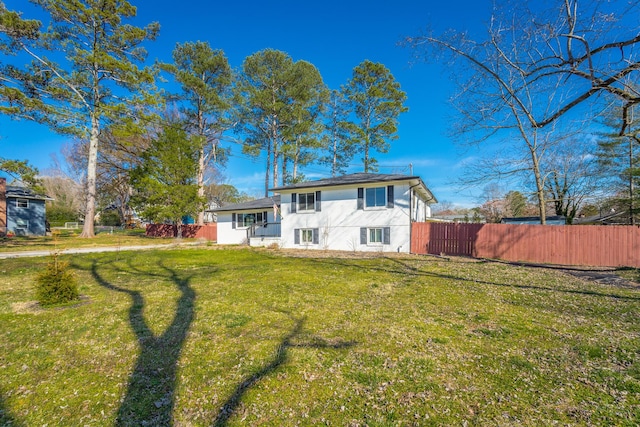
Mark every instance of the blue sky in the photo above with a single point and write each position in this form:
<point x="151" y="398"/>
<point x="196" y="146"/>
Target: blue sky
<point x="335" y="36"/>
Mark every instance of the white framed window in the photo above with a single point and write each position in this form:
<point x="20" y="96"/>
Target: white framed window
<point x="306" y="236"/>
<point x="248" y="219"/>
<point x="375" y="236"/>
<point x="22" y="203"/>
<point x="306" y="202"/>
<point x="375" y="197"/>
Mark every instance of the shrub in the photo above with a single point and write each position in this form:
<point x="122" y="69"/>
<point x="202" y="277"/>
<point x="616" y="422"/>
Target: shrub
<point x="110" y="218"/>
<point x="61" y="214"/>
<point x="56" y="284"/>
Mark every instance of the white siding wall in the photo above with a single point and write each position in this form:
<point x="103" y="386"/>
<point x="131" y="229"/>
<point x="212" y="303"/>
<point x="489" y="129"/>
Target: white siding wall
<point x="227" y="235"/>
<point x="339" y="220"/>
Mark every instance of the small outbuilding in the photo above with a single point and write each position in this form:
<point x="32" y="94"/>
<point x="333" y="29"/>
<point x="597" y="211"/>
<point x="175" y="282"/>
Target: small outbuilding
<point x="22" y="211"/>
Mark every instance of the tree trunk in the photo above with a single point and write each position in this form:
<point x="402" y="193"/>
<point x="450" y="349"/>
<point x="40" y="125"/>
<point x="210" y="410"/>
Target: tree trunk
<point x="90" y="212"/>
<point x="274" y="144"/>
<point x="201" y="168"/>
<point x="179" y="229"/>
<point x="294" y="174"/>
<point x="285" y="167"/>
<point x="266" y="174"/>
<point x="632" y="219"/>
<point x="539" y="188"/>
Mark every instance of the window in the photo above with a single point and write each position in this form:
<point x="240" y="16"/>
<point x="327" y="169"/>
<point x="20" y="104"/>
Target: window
<point x="22" y="226"/>
<point x="306" y="202"/>
<point x="375" y="235"/>
<point x="375" y="197"/>
<point x="248" y="219"/>
<point x="22" y="203"/>
<point x="306" y="235"/>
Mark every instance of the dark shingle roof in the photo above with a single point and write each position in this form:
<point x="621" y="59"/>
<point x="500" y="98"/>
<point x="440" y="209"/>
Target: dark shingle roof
<point x="359" y="178"/>
<point x="24" y="193"/>
<point x="265" y="203"/>
<point x="354" y="178"/>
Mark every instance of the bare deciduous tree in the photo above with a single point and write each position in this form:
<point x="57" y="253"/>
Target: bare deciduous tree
<point x="534" y="67"/>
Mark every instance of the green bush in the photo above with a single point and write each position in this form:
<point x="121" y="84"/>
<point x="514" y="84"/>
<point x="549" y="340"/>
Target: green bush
<point x="61" y="214"/>
<point x="110" y="218"/>
<point x="56" y="284"/>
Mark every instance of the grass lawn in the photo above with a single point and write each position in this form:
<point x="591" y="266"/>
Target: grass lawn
<point x="66" y="239"/>
<point x="258" y="337"/>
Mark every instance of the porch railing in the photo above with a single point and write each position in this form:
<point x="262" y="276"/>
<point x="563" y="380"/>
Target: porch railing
<point x="268" y="229"/>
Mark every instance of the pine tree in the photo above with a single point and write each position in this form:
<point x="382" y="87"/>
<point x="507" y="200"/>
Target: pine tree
<point x="205" y="101"/>
<point x="165" y="183"/>
<point x="93" y="81"/>
<point x="619" y="157"/>
<point x="376" y="101"/>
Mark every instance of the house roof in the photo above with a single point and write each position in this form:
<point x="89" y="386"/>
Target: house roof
<point x="265" y="203"/>
<point x="361" y="178"/>
<point x="24" y="193"/>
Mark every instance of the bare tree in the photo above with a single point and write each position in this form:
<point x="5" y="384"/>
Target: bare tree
<point x="533" y="68"/>
<point x="571" y="178"/>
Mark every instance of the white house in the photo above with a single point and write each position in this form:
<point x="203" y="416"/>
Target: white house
<point x="357" y="212"/>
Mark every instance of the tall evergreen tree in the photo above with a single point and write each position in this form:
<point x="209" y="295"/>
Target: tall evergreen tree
<point x="303" y="137"/>
<point x="206" y="100"/>
<point x="165" y="182"/>
<point x="337" y="147"/>
<point x="281" y="106"/>
<point x="619" y="156"/>
<point x="94" y="80"/>
<point x="264" y="110"/>
<point x="376" y="102"/>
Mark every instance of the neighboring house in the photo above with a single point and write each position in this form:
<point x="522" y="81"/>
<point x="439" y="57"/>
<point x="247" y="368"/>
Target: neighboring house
<point x="357" y="212"/>
<point x="209" y="212"/>
<point x="22" y="211"/>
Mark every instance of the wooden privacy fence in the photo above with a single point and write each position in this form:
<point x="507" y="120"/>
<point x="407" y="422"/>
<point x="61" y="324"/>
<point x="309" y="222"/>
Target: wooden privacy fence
<point x="207" y="231"/>
<point x="586" y="245"/>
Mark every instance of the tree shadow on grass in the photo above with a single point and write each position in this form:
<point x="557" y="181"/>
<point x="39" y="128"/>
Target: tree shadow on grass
<point x="149" y="399"/>
<point x="407" y="269"/>
<point x="6" y="419"/>
<point x="282" y="354"/>
<point x="413" y="270"/>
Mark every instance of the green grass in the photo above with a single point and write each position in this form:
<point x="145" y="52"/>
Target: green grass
<point x="67" y="239"/>
<point x="259" y="337"/>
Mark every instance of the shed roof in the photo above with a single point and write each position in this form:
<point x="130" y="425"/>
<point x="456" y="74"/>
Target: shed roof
<point x="24" y="193"/>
